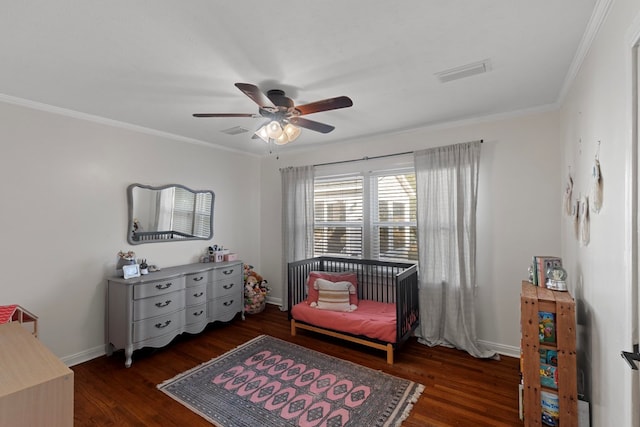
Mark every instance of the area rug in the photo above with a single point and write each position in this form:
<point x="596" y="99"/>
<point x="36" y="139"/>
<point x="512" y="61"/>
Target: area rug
<point x="269" y="382"/>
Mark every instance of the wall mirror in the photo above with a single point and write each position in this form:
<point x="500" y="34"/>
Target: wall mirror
<point x="169" y="213"/>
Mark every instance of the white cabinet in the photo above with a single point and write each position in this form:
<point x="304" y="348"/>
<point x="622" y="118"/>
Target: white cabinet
<point x="151" y="310"/>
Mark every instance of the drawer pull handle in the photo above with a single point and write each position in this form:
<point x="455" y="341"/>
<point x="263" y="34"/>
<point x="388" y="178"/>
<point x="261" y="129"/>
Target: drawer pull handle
<point x="198" y="313"/>
<point x="229" y="286"/>
<point x="163" y="325"/>
<point x="227" y="272"/>
<point x="163" y="304"/>
<point x="227" y="303"/>
<point x="167" y="286"/>
<point x="198" y="295"/>
<point x="197" y="279"/>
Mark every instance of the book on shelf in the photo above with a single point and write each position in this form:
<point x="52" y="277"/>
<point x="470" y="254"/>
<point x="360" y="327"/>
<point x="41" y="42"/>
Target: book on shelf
<point x="550" y="406"/>
<point x="549" y="376"/>
<point x="547" y="327"/>
<point x="539" y="267"/>
<point x="548" y="357"/>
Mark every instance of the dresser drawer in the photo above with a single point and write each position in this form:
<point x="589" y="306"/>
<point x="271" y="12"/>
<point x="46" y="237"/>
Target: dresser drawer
<point x="197" y="279"/>
<point x="158" y="305"/>
<point x="196" y="294"/>
<point x="196" y="314"/>
<point x="157" y="326"/>
<point x="225" y="308"/>
<point x="226" y="272"/>
<point x="158" y="287"/>
<point x="228" y="286"/>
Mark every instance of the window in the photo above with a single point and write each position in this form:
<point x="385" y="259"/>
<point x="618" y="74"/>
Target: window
<point x="367" y="215"/>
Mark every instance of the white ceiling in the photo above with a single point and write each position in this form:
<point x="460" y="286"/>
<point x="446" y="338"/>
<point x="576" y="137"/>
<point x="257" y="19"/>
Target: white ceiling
<point x="154" y="63"/>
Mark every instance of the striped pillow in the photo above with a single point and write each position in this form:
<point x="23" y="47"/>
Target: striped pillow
<point x="334" y="295"/>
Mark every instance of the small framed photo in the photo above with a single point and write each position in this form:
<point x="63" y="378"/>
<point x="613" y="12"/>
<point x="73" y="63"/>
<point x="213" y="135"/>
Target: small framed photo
<point x="131" y="270"/>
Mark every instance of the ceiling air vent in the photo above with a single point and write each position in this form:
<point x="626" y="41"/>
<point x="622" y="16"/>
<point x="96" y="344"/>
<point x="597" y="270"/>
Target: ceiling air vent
<point x="235" y="130"/>
<point x="464" y="71"/>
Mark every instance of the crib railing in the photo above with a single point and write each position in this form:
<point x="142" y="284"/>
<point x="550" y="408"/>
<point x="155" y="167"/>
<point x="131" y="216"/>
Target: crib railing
<point x="146" y="236"/>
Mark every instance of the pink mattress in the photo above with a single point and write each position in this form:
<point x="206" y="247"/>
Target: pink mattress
<point x="372" y="319"/>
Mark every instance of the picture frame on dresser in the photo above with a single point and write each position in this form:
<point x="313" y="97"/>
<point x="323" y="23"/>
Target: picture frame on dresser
<point x="131" y="270"/>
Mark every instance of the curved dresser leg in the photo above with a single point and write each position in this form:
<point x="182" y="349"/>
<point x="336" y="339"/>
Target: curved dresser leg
<point x="128" y="352"/>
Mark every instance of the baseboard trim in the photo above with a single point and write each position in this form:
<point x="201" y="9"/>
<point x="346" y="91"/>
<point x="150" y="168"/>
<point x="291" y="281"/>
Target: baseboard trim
<point x="92" y="353"/>
<point x="274" y="301"/>
<point x="506" y="350"/>
<point x="84" y="356"/>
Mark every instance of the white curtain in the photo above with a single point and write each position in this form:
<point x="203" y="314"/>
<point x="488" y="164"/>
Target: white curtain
<point x="447" y="185"/>
<point x="297" y="218"/>
<point x="164" y="210"/>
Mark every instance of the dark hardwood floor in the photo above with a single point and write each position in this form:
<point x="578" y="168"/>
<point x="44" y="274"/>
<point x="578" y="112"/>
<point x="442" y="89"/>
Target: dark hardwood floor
<point x="459" y="390"/>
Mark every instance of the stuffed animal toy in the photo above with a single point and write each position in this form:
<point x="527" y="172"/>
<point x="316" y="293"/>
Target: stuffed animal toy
<point x="255" y="290"/>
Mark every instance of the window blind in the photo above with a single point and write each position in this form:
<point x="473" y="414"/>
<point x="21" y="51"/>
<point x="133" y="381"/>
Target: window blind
<point x="370" y="215"/>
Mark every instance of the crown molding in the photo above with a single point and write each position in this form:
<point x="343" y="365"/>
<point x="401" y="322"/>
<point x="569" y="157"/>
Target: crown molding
<point x="600" y="12"/>
<point x="110" y="122"/>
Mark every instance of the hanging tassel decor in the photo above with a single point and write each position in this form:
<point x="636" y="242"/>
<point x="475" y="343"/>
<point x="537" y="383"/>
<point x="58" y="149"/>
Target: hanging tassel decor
<point x="568" y="204"/>
<point x="584" y="221"/>
<point x="575" y="217"/>
<point x="596" y="187"/>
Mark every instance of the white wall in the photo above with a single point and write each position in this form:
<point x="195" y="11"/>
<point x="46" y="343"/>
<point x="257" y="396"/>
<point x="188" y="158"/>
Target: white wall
<point x="64" y="216"/>
<point x="598" y="108"/>
<point x="518" y="209"/>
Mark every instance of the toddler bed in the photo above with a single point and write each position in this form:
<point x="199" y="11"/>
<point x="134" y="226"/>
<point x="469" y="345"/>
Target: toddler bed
<point x="370" y="302"/>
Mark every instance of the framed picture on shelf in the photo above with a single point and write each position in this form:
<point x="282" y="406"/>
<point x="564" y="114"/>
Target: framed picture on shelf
<point x="131" y="270"/>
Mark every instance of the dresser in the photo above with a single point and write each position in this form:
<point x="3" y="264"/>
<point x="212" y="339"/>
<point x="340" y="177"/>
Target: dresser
<point x="151" y="310"/>
<point x="36" y="388"/>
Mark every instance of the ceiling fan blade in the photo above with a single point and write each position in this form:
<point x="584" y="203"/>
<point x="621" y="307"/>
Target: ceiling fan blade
<point x="325" y="105"/>
<point x="225" y="115"/>
<point x="255" y="94"/>
<point x="310" y="124"/>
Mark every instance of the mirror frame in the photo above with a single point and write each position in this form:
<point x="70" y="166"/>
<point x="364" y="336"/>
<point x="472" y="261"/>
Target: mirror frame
<point x="159" y="188"/>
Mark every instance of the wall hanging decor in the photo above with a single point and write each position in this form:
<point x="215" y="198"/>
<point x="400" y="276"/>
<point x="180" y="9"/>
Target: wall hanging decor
<point x="583" y="220"/>
<point x="575" y="217"/>
<point x="596" y="183"/>
<point x="568" y="191"/>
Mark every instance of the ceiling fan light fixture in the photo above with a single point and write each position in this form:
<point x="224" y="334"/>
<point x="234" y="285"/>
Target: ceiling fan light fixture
<point x="282" y="139"/>
<point x="262" y="133"/>
<point x="274" y="130"/>
<point x="292" y="132"/>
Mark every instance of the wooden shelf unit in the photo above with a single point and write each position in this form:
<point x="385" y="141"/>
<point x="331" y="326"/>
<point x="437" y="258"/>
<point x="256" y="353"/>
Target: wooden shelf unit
<point x="533" y="300"/>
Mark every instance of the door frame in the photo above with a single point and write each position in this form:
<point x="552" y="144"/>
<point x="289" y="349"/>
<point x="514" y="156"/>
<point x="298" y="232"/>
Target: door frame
<point x="632" y="207"/>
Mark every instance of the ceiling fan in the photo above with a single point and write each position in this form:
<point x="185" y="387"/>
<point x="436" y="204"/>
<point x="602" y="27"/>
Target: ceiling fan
<point x="284" y="118"/>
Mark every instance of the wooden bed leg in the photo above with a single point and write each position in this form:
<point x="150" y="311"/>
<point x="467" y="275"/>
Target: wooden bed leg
<point x="390" y="354"/>
<point x="293" y="328"/>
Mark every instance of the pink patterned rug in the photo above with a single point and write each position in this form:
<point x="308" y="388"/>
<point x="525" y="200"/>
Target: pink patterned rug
<point x="269" y="382"/>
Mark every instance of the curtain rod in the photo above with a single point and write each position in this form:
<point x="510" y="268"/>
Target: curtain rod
<point x="369" y="158"/>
